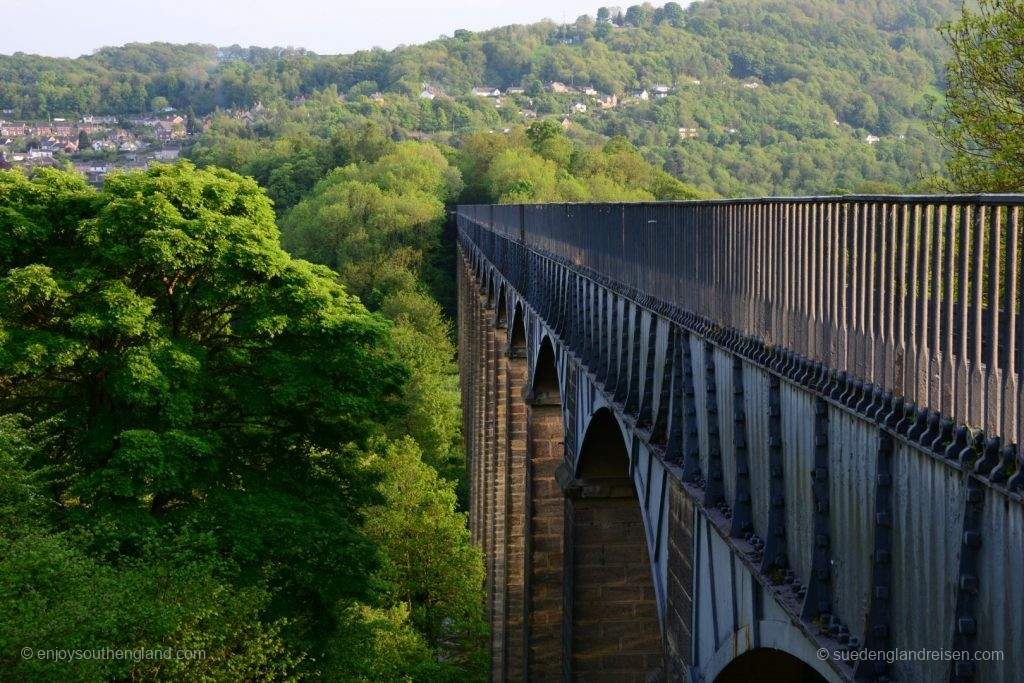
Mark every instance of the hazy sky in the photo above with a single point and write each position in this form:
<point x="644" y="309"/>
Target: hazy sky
<point x="69" y="28"/>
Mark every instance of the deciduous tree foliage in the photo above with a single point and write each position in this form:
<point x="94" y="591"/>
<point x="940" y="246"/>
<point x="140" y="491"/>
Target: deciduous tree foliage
<point x="364" y="218"/>
<point x="199" y="402"/>
<point x="377" y="223"/>
<point x="428" y="563"/>
<point x="984" y="116"/>
<point x="120" y="308"/>
<point x="544" y="165"/>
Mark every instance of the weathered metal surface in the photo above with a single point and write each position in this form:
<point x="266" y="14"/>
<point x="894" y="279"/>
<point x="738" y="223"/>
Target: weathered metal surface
<point x="1001" y="591"/>
<point x="662" y="313"/>
<point x="726" y="423"/>
<point x="927" y="524"/>
<point x="700" y="393"/>
<point x="852" y="504"/>
<point x="798" y="471"/>
<point x="755" y="394"/>
<point x="732" y="613"/>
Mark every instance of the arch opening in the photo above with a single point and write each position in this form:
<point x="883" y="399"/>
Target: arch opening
<point x="603" y="454"/>
<point x="614" y="615"/>
<point x="545" y="375"/>
<point x="517" y="337"/>
<point x="545" y="518"/>
<point x="501" y="312"/>
<point x="768" y="665"/>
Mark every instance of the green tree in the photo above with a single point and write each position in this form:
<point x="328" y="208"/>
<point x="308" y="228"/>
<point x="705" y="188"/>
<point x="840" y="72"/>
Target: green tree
<point x="672" y="12"/>
<point x="376" y="224"/>
<point x="199" y="382"/>
<point x="541" y="131"/>
<point x="423" y="340"/>
<point x="519" y="176"/>
<point x="428" y="561"/>
<point x="639" y="15"/>
<point x="193" y="124"/>
<point x="53" y="592"/>
<point x="359" y="229"/>
<point x="983" y="122"/>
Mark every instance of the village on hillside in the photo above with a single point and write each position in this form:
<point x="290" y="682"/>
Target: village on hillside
<point x="94" y="145"/>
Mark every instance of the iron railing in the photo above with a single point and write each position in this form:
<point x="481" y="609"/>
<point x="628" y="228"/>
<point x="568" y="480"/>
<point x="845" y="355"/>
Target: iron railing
<point x="918" y="295"/>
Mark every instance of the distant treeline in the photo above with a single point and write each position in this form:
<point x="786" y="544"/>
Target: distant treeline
<point x="889" y="50"/>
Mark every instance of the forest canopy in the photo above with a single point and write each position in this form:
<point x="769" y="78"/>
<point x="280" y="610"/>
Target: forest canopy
<point x="194" y="417"/>
<point x="744" y="98"/>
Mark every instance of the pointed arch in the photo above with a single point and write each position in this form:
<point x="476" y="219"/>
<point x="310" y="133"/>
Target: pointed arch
<point x="545" y="520"/>
<point x="489" y="301"/>
<point x="517" y="333"/>
<point x="605" y="449"/>
<point x="501" y="309"/>
<point x="545" y="384"/>
<point x="768" y="665"/>
<point x="616" y="633"/>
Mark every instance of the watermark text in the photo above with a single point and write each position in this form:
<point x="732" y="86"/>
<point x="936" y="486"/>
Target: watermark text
<point x="922" y="655"/>
<point x="137" y="654"/>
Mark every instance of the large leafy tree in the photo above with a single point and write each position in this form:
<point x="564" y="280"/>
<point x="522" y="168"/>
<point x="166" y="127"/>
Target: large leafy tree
<point x="435" y="630"/>
<point x="53" y="594"/>
<point x="198" y="383"/>
<point x="984" y="117"/>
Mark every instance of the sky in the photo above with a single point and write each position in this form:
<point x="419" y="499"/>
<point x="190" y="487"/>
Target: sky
<point x="70" y="28"/>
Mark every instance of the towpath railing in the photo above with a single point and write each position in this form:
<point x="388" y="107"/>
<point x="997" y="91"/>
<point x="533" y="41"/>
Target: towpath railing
<point x="919" y="296"/>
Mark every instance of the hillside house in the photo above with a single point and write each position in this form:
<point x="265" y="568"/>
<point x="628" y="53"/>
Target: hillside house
<point x="168" y="154"/>
<point x="14" y="130"/>
<point x="429" y="92"/>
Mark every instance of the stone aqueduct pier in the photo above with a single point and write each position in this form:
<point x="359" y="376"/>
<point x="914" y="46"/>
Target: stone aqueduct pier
<point x="709" y="441"/>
